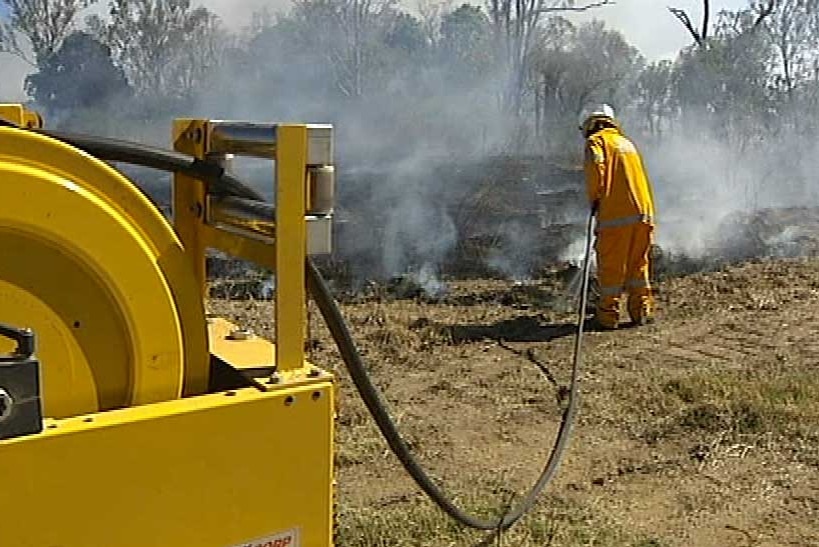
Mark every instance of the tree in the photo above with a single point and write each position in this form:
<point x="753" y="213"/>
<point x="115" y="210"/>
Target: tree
<point x="792" y="28"/>
<point x="407" y="35"/>
<point x="465" y="43"/>
<point x="700" y="36"/>
<point x="431" y="12"/>
<point x="80" y="74"/>
<point x="515" y="24"/>
<point x="551" y="64"/>
<point x="349" y="36"/>
<point x="654" y="94"/>
<point x="766" y="7"/>
<point x="725" y="89"/>
<point x="166" y="47"/>
<point x="603" y="65"/>
<point x="44" y="23"/>
<point x="578" y="65"/>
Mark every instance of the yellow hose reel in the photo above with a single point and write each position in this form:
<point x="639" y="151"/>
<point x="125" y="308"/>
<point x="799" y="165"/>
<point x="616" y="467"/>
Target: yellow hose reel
<point x="94" y="269"/>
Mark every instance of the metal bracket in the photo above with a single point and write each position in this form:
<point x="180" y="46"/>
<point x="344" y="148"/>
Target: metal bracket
<point x="24" y="338"/>
<point x="20" y="403"/>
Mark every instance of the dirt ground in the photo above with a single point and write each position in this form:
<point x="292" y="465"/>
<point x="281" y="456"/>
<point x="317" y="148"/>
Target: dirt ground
<point x="699" y="430"/>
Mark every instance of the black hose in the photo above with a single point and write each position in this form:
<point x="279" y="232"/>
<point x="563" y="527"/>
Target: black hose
<point x="369" y="393"/>
<point x="219" y="182"/>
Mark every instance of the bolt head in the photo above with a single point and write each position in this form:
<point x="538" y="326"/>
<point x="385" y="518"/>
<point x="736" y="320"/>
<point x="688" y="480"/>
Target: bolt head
<point x="239" y="334"/>
<point x="6" y="404"/>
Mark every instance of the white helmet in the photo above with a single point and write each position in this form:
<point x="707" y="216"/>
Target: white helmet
<point x="598" y="112"/>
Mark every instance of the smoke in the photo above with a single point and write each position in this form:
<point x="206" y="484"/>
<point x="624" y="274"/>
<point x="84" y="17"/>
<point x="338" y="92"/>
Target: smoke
<point x="410" y="133"/>
<point x="15" y="71"/>
<point x="696" y="186"/>
<point x="514" y="256"/>
<point x="419" y="231"/>
<point x="711" y="192"/>
<point x="574" y="253"/>
<point x="396" y="149"/>
<point x="239" y="14"/>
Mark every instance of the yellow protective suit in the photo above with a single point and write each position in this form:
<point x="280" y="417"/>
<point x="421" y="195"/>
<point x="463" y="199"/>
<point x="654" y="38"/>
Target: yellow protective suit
<point x="616" y="180"/>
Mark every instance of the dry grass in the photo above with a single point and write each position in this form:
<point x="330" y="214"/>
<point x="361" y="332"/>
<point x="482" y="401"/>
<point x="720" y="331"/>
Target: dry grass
<point x="415" y="523"/>
<point x="689" y="430"/>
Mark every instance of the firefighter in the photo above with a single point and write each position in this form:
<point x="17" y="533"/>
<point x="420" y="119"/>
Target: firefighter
<point x="621" y="196"/>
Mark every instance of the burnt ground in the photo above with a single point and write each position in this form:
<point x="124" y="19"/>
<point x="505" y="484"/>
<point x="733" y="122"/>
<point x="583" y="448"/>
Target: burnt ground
<point x="699" y="430"/>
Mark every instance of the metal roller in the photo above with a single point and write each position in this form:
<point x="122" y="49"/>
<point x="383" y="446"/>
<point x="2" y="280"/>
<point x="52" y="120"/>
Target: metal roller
<point x="260" y="140"/>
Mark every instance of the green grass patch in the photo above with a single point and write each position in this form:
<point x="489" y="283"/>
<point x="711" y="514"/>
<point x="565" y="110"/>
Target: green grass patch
<point x="785" y="405"/>
<point x="419" y="523"/>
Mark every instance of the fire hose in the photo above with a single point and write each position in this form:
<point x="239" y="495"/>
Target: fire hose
<point x="222" y="183"/>
<point x="369" y="393"/>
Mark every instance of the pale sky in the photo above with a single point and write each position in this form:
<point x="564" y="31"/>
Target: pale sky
<point x="646" y="24"/>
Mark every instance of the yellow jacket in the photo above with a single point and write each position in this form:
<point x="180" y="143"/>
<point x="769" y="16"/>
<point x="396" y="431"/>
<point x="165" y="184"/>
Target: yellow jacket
<point x="615" y="178"/>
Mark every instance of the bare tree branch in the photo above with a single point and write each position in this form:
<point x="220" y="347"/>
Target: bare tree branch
<point x="431" y="12"/>
<point x="44" y="23"/>
<point x="9" y="44"/>
<point x="585" y="7"/>
<point x="153" y="41"/>
<point x="515" y="26"/>
<point x="765" y="12"/>
<point x="706" y="11"/>
<point x="686" y="21"/>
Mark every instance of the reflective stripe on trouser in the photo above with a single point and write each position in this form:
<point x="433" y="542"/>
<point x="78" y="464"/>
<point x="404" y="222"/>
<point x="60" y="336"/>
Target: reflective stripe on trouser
<point x="623" y="266"/>
<point x="625" y="221"/>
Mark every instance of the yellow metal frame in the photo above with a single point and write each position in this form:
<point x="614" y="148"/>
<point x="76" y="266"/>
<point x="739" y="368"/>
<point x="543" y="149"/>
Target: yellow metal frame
<point x="217" y="470"/>
<point x="21" y="116"/>
<point x="193" y="137"/>
<point x="291" y="245"/>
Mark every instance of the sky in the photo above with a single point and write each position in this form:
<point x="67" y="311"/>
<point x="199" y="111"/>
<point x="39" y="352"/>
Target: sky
<point x="646" y="24"/>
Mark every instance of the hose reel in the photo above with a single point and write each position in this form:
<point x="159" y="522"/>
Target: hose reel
<point x="92" y="267"/>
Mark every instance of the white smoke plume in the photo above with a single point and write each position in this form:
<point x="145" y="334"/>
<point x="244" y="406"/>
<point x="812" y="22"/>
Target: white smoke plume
<point x="391" y="146"/>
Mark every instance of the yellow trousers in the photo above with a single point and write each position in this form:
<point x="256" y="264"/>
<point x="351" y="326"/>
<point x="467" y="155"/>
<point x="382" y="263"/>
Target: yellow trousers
<point x="623" y="255"/>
